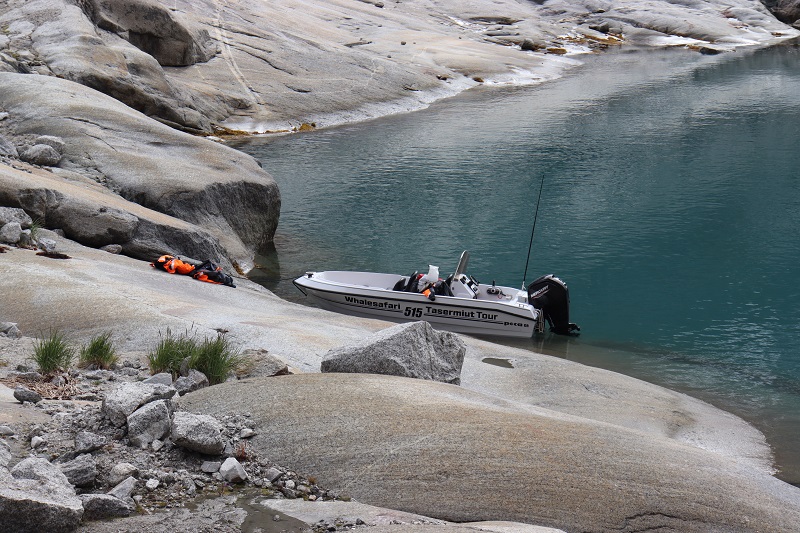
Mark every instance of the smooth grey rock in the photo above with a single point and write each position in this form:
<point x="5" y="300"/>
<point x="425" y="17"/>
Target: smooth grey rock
<point x="193" y="381"/>
<point x="100" y="506"/>
<point x="209" y="467"/>
<point x="115" y="249"/>
<point x="165" y="378"/>
<point x="8" y="149"/>
<point x="272" y="474"/>
<point x="377" y="428"/>
<point x="149" y="422"/>
<point x="125" y="398"/>
<point x="247" y="433"/>
<point x="232" y="471"/>
<point x="166" y="192"/>
<point x="200" y="433"/>
<point x="11" y="233"/>
<point x="124" y="488"/>
<point x="15" y="214"/>
<point x="152" y="484"/>
<point x="36" y="497"/>
<point x="86" y="441"/>
<point x="121" y="472"/>
<point x="56" y="143"/>
<point x="412" y="350"/>
<point x="38" y="442"/>
<point x="48" y="245"/>
<point x="24" y="394"/>
<point x="40" y="154"/>
<point x="10" y="330"/>
<point x="81" y="471"/>
<point x="6" y="431"/>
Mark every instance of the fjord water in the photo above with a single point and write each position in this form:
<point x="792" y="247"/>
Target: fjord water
<point x="670" y="206"/>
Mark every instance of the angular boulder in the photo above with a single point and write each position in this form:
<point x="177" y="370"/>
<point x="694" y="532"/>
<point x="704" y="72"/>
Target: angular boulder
<point x="191" y="382"/>
<point x="35" y="497"/>
<point x="15" y="214"/>
<point x="413" y="350"/>
<point x="81" y="471"/>
<point x="125" y="398"/>
<point x="24" y="394"/>
<point x="11" y="233"/>
<point x="41" y="154"/>
<point x="86" y="441"/>
<point x="100" y="506"/>
<point x="149" y="422"/>
<point x="199" y="433"/>
<point x="232" y="471"/>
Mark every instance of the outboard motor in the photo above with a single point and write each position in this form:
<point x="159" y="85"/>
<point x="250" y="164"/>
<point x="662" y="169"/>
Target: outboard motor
<point x="550" y="295"/>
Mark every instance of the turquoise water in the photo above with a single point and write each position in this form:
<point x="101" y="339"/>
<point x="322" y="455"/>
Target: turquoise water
<point x="670" y="206"/>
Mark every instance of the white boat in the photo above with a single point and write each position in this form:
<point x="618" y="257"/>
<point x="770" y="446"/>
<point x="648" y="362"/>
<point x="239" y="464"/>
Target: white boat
<point x="458" y="303"/>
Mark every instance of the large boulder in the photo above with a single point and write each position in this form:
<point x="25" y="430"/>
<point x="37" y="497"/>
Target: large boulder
<point x="229" y="205"/>
<point x="149" y="422"/>
<point x="787" y="11"/>
<point x="100" y="506"/>
<point x="167" y="35"/>
<point x="127" y="397"/>
<point x="15" y="214"/>
<point x="81" y="471"/>
<point x="199" y="433"/>
<point x="36" y="496"/>
<point x="413" y="350"/>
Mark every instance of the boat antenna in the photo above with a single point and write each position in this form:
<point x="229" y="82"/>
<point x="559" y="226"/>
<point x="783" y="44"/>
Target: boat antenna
<point x="530" y="245"/>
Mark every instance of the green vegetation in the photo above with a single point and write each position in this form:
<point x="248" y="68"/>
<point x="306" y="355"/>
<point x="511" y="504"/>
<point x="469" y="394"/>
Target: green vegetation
<point x="36" y="228"/>
<point x="99" y="352"/>
<point x="216" y="358"/>
<point x="52" y="353"/>
<point x="170" y="352"/>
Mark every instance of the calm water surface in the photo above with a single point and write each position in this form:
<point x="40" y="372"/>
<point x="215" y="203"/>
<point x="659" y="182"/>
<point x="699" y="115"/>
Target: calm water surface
<point x="671" y="207"/>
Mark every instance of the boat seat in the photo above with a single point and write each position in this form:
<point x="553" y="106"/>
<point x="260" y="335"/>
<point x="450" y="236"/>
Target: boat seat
<point x="400" y="285"/>
<point x="413" y="283"/>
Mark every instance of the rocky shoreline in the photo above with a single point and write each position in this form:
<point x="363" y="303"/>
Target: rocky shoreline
<point x="110" y="155"/>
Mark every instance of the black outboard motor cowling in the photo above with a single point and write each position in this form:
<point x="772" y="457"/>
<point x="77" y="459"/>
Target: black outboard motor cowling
<point x="551" y="296"/>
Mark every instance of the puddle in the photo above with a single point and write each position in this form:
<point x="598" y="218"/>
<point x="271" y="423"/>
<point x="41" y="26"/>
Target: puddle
<point x="496" y="361"/>
<point x="262" y="519"/>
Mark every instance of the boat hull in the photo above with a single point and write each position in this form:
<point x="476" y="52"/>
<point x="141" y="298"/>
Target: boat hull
<point x="461" y="315"/>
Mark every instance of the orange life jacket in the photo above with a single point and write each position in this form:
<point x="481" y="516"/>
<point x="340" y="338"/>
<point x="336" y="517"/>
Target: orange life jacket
<point x="173" y="265"/>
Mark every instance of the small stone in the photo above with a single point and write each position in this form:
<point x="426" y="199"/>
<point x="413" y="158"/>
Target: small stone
<point x="115" y="249"/>
<point x="156" y="445"/>
<point x="41" y="154"/>
<point x="124" y="488"/>
<point x="273" y="474"/>
<point x="232" y="471"/>
<point x="121" y="472"/>
<point x="81" y="471"/>
<point x="86" y="441"/>
<point x="37" y="441"/>
<point x="165" y="378"/>
<point x="246" y="433"/>
<point x="6" y="431"/>
<point x="152" y="484"/>
<point x="289" y="484"/>
<point x="10" y="330"/>
<point x="24" y="394"/>
<point x="10" y="233"/>
<point x="58" y="381"/>
<point x="48" y="245"/>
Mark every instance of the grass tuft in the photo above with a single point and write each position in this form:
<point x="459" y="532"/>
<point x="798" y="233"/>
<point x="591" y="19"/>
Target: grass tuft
<point x="52" y="353"/>
<point x="170" y="352"/>
<point x="99" y="352"/>
<point x="217" y="359"/>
